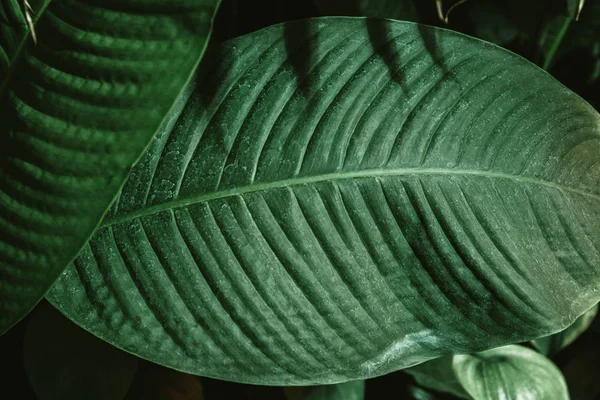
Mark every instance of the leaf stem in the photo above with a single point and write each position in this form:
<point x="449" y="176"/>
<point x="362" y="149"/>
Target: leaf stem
<point x="556" y="43"/>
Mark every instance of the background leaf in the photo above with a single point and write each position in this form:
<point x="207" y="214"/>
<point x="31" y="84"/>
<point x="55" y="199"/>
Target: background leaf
<point x="64" y="362"/>
<point x="579" y="366"/>
<point x="416" y="193"/>
<point x="492" y="22"/>
<point x="78" y="110"/>
<point x="510" y="372"/>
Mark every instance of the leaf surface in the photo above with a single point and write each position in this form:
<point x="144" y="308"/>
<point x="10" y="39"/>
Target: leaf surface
<point x="386" y="208"/>
<point x="78" y="110"/>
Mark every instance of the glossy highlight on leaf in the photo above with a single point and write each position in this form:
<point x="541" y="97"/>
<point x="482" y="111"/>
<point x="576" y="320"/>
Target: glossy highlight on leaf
<point x="78" y="110"/>
<point x="413" y="194"/>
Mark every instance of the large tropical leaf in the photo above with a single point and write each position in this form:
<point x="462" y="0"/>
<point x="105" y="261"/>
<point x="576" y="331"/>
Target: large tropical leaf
<point x="78" y="109"/>
<point x="387" y="207"/>
<point x="64" y="362"/>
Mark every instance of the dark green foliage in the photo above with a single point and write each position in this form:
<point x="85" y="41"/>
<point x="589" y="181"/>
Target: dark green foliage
<point x="270" y="234"/>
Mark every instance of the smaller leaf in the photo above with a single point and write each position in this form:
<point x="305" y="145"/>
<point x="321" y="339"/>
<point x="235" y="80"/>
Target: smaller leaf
<point x="353" y="390"/>
<point x="550" y="345"/>
<point x="509" y="372"/>
<point x="65" y="362"/>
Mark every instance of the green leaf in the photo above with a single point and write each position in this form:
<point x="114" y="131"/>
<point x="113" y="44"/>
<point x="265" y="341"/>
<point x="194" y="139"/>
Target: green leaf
<point x="438" y="375"/>
<point x="64" y="362"/>
<point x="551" y="345"/>
<point x="384" y="209"/>
<point x="353" y="390"/>
<point x="510" y="372"/>
<point x="396" y="9"/>
<point x="78" y="110"/>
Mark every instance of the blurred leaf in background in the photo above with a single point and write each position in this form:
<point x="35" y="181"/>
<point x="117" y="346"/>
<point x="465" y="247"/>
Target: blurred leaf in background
<point x="353" y="390"/>
<point x="153" y="382"/>
<point x="64" y="362"/>
<point x="492" y="22"/>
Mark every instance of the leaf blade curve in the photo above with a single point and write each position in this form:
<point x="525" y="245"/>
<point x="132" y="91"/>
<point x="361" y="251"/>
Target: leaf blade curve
<point x="79" y="108"/>
<point x="394" y="208"/>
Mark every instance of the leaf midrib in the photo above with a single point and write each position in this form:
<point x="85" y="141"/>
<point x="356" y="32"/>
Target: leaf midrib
<point x="335" y="176"/>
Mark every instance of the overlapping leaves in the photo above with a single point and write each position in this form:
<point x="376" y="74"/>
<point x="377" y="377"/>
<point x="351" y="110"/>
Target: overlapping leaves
<point x="78" y="110"/>
<point x="364" y="200"/>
